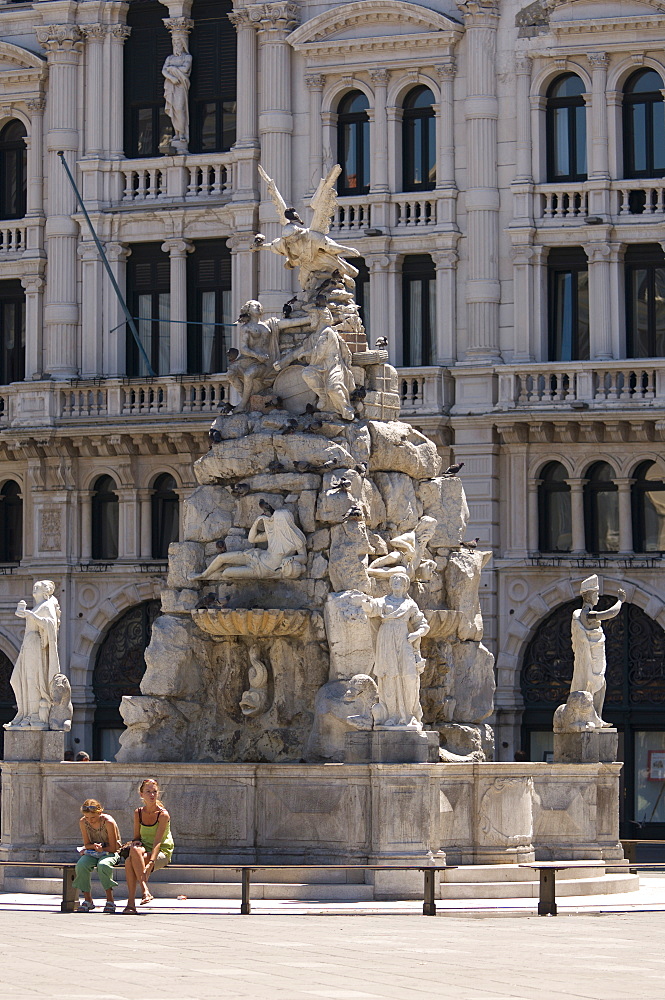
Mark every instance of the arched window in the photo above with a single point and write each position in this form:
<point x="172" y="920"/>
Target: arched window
<point x="164" y="516"/>
<point x="119" y="668"/>
<point x="11" y="523"/>
<point x="601" y="510"/>
<point x="418" y="311"/>
<point x="634" y="703"/>
<point x="554" y="516"/>
<point x="645" y="300"/>
<point x="353" y="144"/>
<point x="644" y="125"/>
<point x="13" y="170"/>
<point x="648" y="509"/>
<point x="419" y="141"/>
<point x="104" y="519"/>
<point x="566" y="130"/>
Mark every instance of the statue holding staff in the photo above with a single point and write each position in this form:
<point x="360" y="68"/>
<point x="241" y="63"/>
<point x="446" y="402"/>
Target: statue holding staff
<point x="38" y="660"/>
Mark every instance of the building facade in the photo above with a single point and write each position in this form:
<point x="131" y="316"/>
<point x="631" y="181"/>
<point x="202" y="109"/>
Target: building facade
<point x="502" y="176"/>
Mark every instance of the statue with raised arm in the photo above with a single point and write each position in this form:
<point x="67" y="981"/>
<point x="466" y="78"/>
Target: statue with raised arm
<point x="176" y="71"/>
<point x="311" y="250"/>
<point x="284" y="558"/>
<point x="328" y="369"/>
<point x="251" y="367"/>
<point x="38" y="661"/>
<point x="398" y="663"/>
<point x="589" y="645"/>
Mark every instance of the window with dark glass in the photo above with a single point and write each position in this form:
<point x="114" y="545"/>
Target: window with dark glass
<point x="419" y="141"/>
<point x="418" y="311"/>
<point x="148" y="297"/>
<point x="164" y="515"/>
<point x="601" y="510"/>
<point x="13" y="170"/>
<point x="12" y="332"/>
<point x="644" y="125"/>
<point x="104" y="519"/>
<point x="554" y="514"/>
<point x="645" y="301"/>
<point x="648" y="496"/>
<point x="353" y="144"/>
<point x="212" y="95"/>
<point x="566" y="130"/>
<point x="148" y="129"/>
<point x="11" y="523"/>
<point x="209" y="307"/>
<point x="362" y="291"/>
<point x="568" y="276"/>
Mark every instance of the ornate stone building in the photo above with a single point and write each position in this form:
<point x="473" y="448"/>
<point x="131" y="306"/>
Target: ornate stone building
<point x="503" y="179"/>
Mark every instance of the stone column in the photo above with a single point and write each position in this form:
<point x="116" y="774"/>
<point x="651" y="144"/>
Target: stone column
<point x="145" y="504"/>
<point x="246" y="123"/>
<point x="577" y="515"/>
<point x="35" y="193"/>
<point x="95" y="99"/>
<point x="276" y="21"/>
<point x="445" y="262"/>
<point x="329" y="133"/>
<point x="600" y="297"/>
<point x="315" y="83"/>
<point x="522" y="185"/>
<point x="119" y="34"/>
<point x="625" y="516"/>
<point x="243" y="278"/>
<point x="482" y="194"/>
<point x="85" y="506"/>
<point x="115" y="340"/>
<point x="445" y="136"/>
<point x="379" y="141"/>
<point x="538" y="103"/>
<point x="33" y="285"/>
<point x="128" y="523"/>
<point x="92" y="330"/>
<point x="379" y="299"/>
<point x="523" y="299"/>
<point x="600" y="168"/>
<point x="63" y="45"/>
<point x="533" y="525"/>
<point x="177" y="250"/>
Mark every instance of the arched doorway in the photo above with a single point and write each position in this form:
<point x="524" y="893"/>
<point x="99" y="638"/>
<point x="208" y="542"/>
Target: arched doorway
<point x="119" y="668"/>
<point x="635" y="703"/>
<point x="7" y="699"/>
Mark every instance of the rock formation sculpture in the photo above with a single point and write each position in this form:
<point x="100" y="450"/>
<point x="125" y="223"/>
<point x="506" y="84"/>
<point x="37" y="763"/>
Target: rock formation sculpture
<point x="340" y="707"/>
<point x="254" y="701"/>
<point x="61" y="710"/>
<point x="38" y="661"/>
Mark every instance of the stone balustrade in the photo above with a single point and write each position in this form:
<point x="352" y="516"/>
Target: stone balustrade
<point x="425" y="390"/>
<point x="583" y="384"/>
<point x="555" y="203"/>
<point x="13" y="237"/>
<point x="561" y="201"/>
<point x="163" y="178"/>
<point x="402" y="212"/>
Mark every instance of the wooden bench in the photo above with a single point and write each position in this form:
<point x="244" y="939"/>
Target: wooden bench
<point x="630" y="846"/>
<point x="547" y="871"/>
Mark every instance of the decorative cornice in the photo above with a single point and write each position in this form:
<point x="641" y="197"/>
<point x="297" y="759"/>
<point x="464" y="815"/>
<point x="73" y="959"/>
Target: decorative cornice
<point x="321" y="28"/>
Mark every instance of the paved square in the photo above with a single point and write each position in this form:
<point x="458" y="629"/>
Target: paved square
<point x="199" y="956"/>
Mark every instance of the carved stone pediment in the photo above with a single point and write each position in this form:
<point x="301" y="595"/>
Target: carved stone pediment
<point x="21" y="71"/>
<point x="377" y="24"/>
<point x="587" y="15"/>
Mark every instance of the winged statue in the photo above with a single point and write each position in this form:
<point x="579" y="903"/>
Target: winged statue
<point x="310" y="249"/>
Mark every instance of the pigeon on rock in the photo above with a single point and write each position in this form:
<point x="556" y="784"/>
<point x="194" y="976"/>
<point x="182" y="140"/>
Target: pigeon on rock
<point x="452" y="470"/>
<point x="240" y="489"/>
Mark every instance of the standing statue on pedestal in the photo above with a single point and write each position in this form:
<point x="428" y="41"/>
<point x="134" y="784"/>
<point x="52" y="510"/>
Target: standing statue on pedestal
<point x="38" y="661"/>
<point x="176" y="72"/>
<point x="311" y="250"/>
<point x="397" y="660"/>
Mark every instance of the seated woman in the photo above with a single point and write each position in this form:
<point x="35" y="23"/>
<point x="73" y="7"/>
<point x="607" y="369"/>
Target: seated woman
<point x="101" y="841"/>
<point x="152" y="843"/>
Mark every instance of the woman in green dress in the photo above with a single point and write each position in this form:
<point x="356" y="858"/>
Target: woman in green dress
<point x="152" y="844"/>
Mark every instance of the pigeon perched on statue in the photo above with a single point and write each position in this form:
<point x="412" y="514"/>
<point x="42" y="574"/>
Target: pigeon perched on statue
<point x="452" y="470"/>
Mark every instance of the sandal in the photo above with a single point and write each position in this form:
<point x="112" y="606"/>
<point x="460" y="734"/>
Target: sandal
<point x="86" y="906"/>
<point x="130" y="909"/>
<point x="148" y="898"/>
<point x="110" y="907"/>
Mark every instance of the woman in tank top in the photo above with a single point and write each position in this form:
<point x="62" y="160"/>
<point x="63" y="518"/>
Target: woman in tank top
<point x="152" y="843"/>
<point x="101" y="841"/>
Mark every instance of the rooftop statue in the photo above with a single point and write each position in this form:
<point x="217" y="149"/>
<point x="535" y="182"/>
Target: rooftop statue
<point x="38" y="661"/>
<point x="176" y="71"/>
<point x="311" y="249"/>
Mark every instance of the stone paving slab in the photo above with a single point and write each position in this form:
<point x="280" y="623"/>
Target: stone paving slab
<point x="200" y="954"/>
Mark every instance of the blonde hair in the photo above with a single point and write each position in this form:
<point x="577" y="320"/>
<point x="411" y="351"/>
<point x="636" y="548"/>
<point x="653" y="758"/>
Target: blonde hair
<point x="92" y="805"/>
<point x="159" y="791"/>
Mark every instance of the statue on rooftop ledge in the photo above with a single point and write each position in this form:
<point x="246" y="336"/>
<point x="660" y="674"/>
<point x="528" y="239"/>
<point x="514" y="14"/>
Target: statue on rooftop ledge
<point x="311" y="250"/>
<point x="176" y="71"/>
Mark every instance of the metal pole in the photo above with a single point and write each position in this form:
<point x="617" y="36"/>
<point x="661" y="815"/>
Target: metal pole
<point x="102" y="254"/>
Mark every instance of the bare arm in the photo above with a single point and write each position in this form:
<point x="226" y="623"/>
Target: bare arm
<point x="603" y="616"/>
<point x="255" y="534"/>
<point x="137" y="826"/>
<point x="113" y="834"/>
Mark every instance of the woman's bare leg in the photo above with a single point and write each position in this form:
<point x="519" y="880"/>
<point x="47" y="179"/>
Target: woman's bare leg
<point x="130" y="875"/>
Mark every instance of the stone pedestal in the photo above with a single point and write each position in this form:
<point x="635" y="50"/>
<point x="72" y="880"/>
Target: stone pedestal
<point x="34" y="744"/>
<point x="593" y="746"/>
<point x="391" y="746"/>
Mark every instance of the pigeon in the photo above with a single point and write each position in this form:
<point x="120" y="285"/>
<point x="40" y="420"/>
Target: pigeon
<point x="330" y="464"/>
<point x="304" y="467"/>
<point x="310" y="408"/>
<point x="339" y="484"/>
<point x="210" y="602"/>
<point x="215" y="436"/>
<point x="240" y="489"/>
<point x="353" y="513"/>
<point x="452" y="470"/>
<point x="291" y="426"/>
<point x="226" y="409"/>
<point x="473" y="544"/>
<point x="358" y="394"/>
<point x="381" y="343"/>
<point x="275" y="466"/>
<point x="220" y="545"/>
<point x="361" y="468"/>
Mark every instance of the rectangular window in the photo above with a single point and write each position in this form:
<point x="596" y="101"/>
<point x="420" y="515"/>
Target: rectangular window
<point x="208" y="307"/>
<point x="148" y="129"/>
<point x="645" y="301"/>
<point x="418" y="311"/>
<point x="12" y="332"/>
<point x="213" y="81"/>
<point x="568" y="306"/>
<point x="148" y="298"/>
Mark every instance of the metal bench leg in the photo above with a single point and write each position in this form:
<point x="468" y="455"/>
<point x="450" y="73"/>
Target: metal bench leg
<point x="245" y="906"/>
<point x="429" y="906"/>
<point x="69" y="893"/>
<point x="547" y="900"/>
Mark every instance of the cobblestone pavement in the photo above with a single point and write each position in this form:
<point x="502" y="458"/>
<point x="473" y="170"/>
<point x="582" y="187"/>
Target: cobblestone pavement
<point x="197" y="956"/>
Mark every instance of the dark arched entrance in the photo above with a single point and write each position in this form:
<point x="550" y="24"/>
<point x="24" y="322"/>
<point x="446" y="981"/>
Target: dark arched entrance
<point x="118" y="671"/>
<point x="7" y="699"/>
<point x="635" y="703"/>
